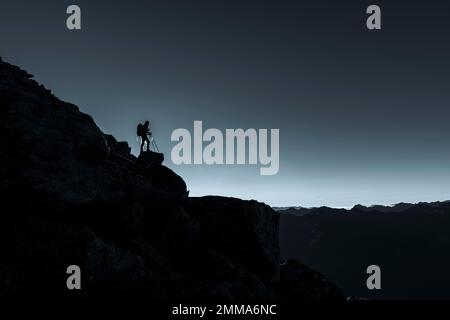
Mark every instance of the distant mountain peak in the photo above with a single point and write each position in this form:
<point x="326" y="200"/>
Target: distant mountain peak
<point x="395" y="208"/>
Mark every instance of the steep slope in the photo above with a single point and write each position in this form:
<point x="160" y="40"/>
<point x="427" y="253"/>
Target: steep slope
<point x="72" y="195"/>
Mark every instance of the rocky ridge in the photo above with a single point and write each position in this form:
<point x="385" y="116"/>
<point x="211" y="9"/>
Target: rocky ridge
<point x="71" y="194"/>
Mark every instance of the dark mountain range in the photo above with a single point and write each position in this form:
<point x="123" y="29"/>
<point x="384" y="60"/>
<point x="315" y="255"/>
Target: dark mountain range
<point x="71" y="195"/>
<point x="410" y="243"/>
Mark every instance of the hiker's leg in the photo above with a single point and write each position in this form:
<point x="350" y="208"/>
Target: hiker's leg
<point x="148" y="143"/>
<point x="142" y="145"/>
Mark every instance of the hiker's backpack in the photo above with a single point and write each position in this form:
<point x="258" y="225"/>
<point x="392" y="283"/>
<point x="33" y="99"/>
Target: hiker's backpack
<point x="139" y="130"/>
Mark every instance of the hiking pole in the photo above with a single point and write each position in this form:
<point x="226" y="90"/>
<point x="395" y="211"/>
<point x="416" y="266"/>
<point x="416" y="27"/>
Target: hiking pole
<point x="155" y="145"/>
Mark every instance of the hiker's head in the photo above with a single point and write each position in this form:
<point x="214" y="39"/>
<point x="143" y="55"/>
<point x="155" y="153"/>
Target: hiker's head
<point x="146" y="123"/>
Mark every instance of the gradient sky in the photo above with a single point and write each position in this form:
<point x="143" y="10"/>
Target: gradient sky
<point x="363" y="116"/>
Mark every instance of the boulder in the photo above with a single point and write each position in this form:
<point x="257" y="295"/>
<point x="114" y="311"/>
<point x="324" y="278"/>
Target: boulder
<point x="149" y="158"/>
<point x="165" y="179"/>
<point x="246" y="231"/>
<point x="120" y="148"/>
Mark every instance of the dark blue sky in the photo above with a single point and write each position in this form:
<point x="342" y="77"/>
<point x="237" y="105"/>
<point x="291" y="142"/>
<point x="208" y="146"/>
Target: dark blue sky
<point x="363" y="116"/>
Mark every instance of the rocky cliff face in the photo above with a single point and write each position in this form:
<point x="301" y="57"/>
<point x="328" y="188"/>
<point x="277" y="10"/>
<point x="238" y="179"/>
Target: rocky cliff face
<point x="72" y="195"/>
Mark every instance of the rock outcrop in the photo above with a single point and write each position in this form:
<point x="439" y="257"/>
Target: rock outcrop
<point x="72" y="195"/>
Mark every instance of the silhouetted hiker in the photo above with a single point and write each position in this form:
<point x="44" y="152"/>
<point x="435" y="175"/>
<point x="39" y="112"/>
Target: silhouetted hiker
<point x="143" y="131"/>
